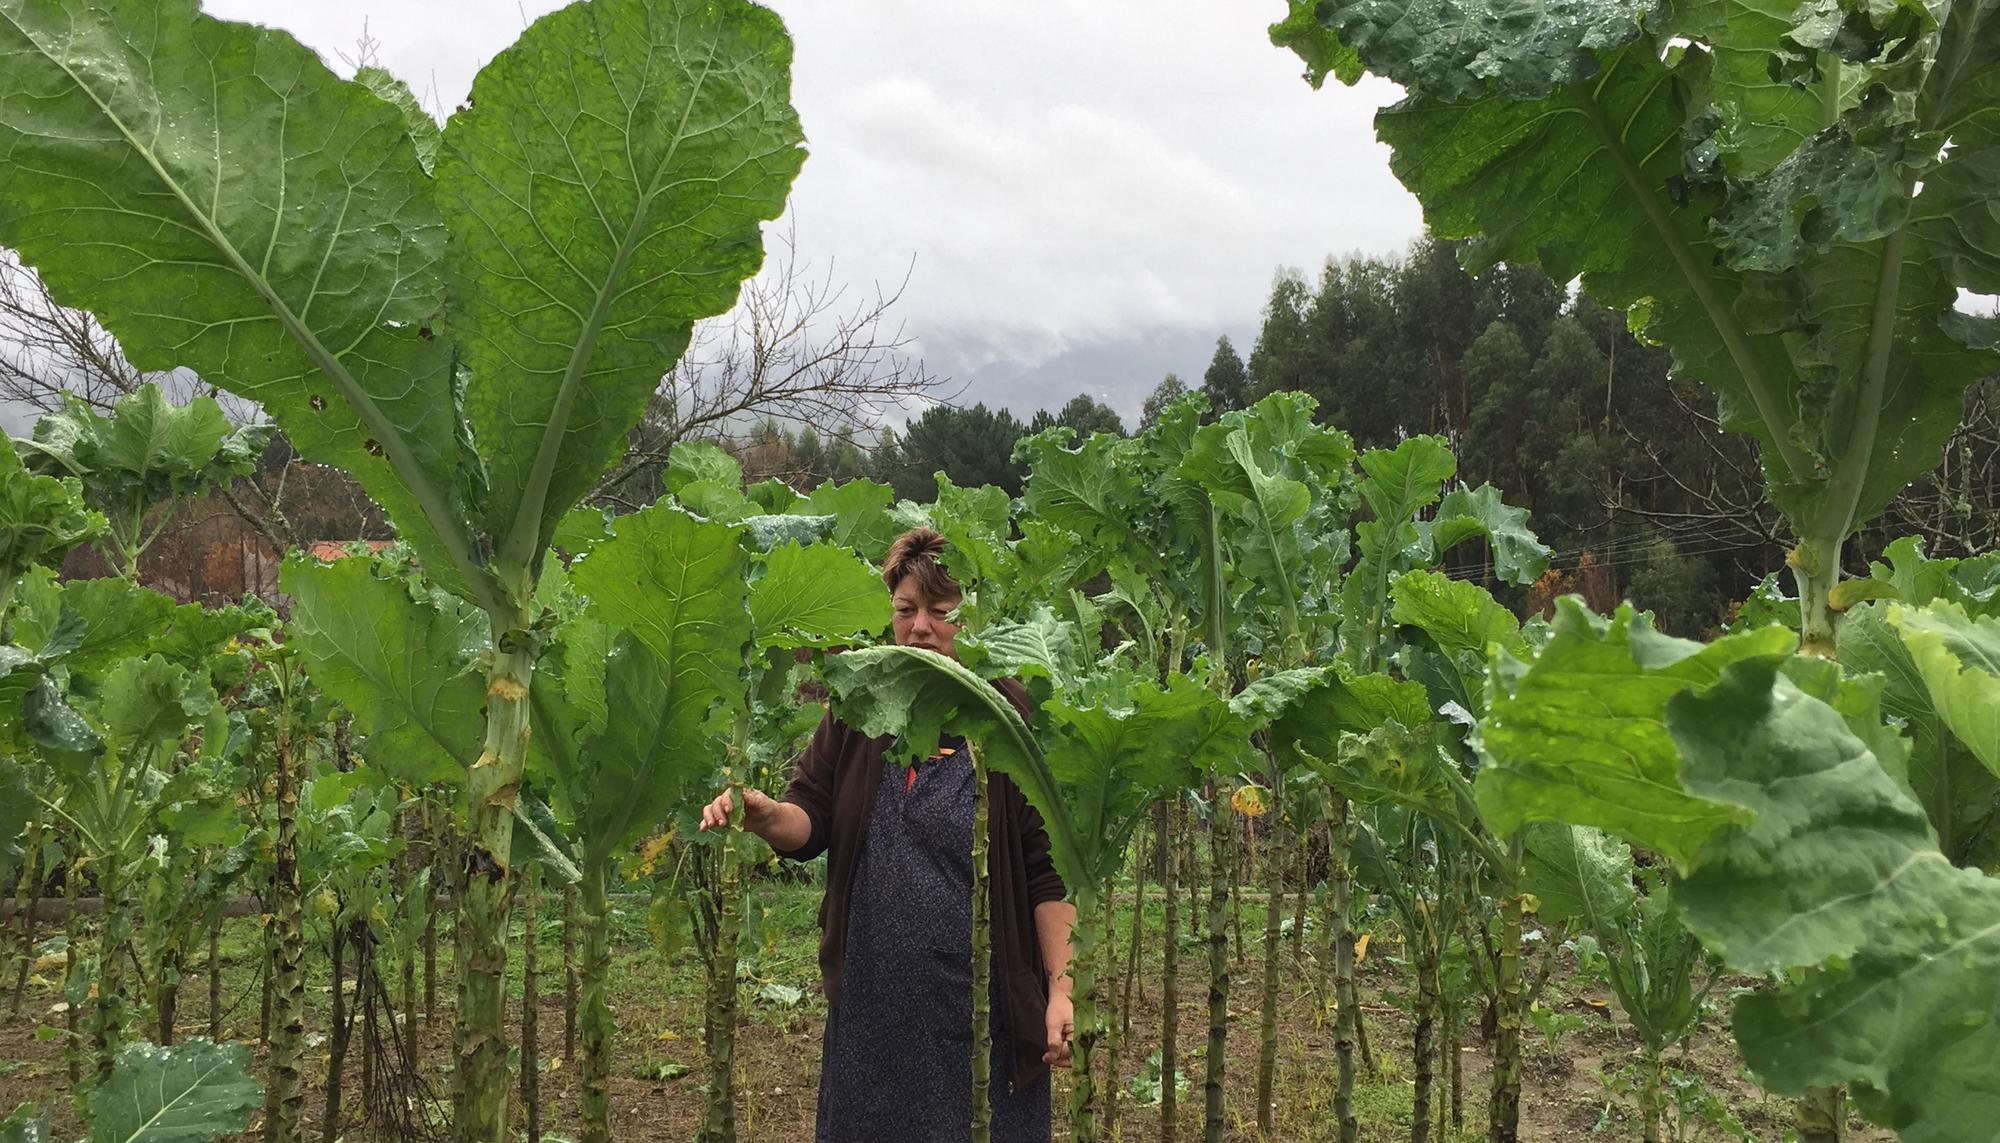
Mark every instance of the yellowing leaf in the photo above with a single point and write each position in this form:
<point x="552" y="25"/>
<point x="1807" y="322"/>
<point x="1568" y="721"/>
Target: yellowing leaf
<point x="1361" y="948"/>
<point x="1251" y="801"/>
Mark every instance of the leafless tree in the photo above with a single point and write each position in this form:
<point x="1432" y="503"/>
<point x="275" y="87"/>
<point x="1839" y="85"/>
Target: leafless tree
<point x="796" y="349"/>
<point x="48" y="351"/>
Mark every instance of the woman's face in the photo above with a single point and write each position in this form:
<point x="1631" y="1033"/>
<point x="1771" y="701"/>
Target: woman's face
<point x="920" y="622"/>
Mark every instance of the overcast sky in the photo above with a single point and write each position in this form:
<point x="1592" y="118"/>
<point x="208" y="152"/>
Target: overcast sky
<point x="1090" y="192"/>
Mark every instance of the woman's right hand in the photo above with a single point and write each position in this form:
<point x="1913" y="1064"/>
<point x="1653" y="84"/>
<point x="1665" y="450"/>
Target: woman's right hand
<point x="758" y="808"/>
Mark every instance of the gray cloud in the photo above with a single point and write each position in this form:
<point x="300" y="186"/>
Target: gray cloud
<point x="1064" y="177"/>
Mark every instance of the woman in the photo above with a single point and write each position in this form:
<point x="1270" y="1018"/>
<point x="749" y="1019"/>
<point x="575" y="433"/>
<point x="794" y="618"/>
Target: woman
<point x="896" y="921"/>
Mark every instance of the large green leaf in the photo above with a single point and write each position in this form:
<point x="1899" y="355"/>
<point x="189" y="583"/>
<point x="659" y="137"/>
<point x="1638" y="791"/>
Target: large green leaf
<point x="1458" y="615"/>
<point x="1111" y="764"/>
<point x="1959" y="660"/>
<point x="1262" y="468"/>
<point x="677" y="583"/>
<point x="1095" y="489"/>
<point x="1579" y="735"/>
<point x="1954" y="787"/>
<point x="816" y="596"/>
<point x="1579" y="874"/>
<point x="916" y="695"/>
<point x="407" y="668"/>
<point x="1465" y="513"/>
<point x="605" y="190"/>
<point x="1840" y="873"/>
<point x="192" y="1092"/>
<point x="1814" y="290"/>
<point x="860" y="511"/>
<point x="149" y="701"/>
<point x="647" y="761"/>
<point x="223" y="202"/>
<point x="1399" y="483"/>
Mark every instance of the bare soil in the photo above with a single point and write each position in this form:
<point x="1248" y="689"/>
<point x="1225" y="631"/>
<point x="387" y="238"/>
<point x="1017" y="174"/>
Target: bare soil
<point x="658" y="1005"/>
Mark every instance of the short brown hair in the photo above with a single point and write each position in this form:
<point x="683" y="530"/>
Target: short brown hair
<point x="915" y="553"/>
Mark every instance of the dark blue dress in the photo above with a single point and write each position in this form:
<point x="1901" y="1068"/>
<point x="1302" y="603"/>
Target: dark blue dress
<point x="898" y="1060"/>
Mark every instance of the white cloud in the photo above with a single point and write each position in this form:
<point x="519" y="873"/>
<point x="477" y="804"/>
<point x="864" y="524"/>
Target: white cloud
<point x="1061" y="173"/>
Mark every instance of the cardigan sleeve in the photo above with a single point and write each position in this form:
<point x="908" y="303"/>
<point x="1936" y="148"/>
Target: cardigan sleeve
<point x="1044" y="883"/>
<point x="812" y="786"/>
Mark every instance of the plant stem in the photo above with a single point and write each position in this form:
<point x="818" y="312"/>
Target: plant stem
<point x="1652" y="1094"/>
<point x="1423" y="1048"/>
<point x="982" y="953"/>
<point x="1087" y="938"/>
<point x="284" y="1104"/>
<point x="1168" y="816"/>
<point x="1267" y="1031"/>
<point x="1505" y="1104"/>
<point x="569" y="973"/>
<point x="594" y="1023"/>
<point x="72" y="876"/>
<point x="531" y="1088"/>
<point x="1223" y="859"/>
<point x="493" y="784"/>
<point x="24" y="892"/>
<point x="336" y="1056"/>
<point x="215" y="977"/>
<point x="113" y="933"/>
<point x="719" y="1117"/>
<point x="1340" y="875"/>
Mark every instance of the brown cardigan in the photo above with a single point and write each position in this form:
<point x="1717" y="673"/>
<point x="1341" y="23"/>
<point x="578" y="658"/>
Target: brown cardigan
<point x="835" y="781"/>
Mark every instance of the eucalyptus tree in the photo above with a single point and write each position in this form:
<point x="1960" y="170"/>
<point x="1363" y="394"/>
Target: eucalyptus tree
<point x="457" y="318"/>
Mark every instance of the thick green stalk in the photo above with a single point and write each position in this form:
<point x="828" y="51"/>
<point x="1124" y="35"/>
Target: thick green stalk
<point x="493" y="784"/>
<point x="114" y="932"/>
<point x="215" y="977"/>
<point x="72" y="879"/>
<point x="1086" y="939"/>
<point x="1170" y="988"/>
<point x="285" y="1100"/>
<point x="1267" y="1031"/>
<point x="1504" y="1114"/>
<point x="1122" y="1025"/>
<point x="594" y="1023"/>
<point x="1423" y="1048"/>
<point x="1223" y="858"/>
<point x="1303" y="872"/>
<point x="1652" y="1094"/>
<point x="531" y="1008"/>
<point x="982" y="955"/>
<point x="1822" y="1115"/>
<point x="719" y="1117"/>
<point x="167" y="990"/>
<point x="24" y="895"/>
<point x="1346" y="1025"/>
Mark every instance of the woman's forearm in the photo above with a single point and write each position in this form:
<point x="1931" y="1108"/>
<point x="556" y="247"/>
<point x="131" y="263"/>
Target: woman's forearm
<point x="1053" y="921"/>
<point x="787" y="827"/>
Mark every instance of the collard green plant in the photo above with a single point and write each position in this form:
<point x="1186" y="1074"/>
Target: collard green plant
<point x="142" y="460"/>
<point x="471" y="346"/>
<point x="1775" y="786"/>
<point x="1790" y="201"/>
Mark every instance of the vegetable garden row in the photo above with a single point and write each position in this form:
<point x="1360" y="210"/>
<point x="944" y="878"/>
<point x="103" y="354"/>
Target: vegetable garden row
<point x="1232" y="615"/>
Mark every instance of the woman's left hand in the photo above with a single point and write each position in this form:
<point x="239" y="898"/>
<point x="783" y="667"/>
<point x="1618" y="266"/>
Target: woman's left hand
<point x="1061" y="1026"/>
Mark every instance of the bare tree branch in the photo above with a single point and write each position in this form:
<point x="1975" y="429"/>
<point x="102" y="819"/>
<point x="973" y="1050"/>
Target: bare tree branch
<point x="797" y="349"/>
